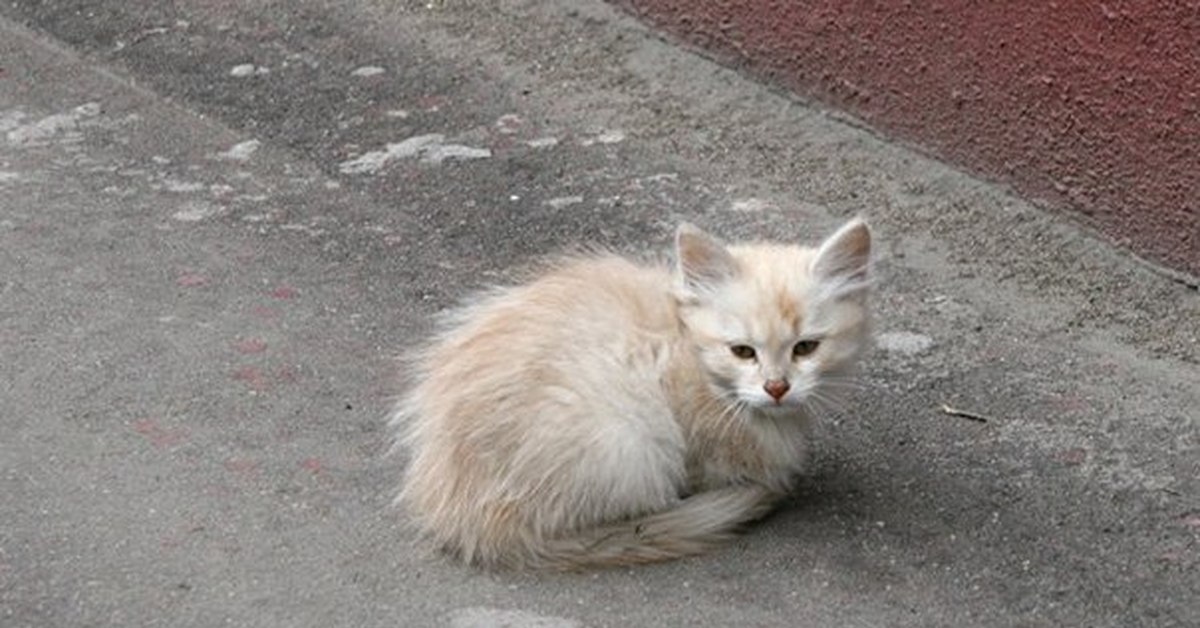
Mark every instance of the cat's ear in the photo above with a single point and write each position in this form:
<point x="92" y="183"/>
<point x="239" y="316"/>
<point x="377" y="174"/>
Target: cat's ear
<point x="702" y="261"/>
<point x="842" y="265"/>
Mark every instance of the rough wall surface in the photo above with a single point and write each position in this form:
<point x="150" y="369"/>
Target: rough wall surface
<point x="1092" y="106"/>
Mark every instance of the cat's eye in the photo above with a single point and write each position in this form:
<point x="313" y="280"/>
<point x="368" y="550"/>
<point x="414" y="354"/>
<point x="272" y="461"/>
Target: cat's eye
<point x="805" y="347"/>
<point x="745" y="352"/>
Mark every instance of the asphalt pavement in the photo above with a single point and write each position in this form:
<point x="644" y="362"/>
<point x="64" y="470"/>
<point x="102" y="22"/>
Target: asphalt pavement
<point x="221" y="221"/>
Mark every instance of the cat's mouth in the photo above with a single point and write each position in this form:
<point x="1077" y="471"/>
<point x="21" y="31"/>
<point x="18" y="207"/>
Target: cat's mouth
<point x="776" y="406"/>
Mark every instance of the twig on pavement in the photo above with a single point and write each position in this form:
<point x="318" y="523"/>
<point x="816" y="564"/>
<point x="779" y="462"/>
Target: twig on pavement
<point x="964" y="414"/>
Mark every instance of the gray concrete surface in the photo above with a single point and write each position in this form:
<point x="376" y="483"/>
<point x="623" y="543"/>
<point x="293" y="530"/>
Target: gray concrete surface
<point x="209" y="255"/>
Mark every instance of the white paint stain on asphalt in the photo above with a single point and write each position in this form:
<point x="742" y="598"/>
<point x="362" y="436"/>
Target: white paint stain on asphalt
<point x="430" y="148"/>
<point x="59" y="127"/>
<point x="247" y="69"/>
<point x="367" y="70"/>
<point x="195" y="212"/>
<point x="750" y="205"/>
<point x="509" y="123"/>
<point x="11" y="119"/>
<point x="482" y="617"/>
<point x="439" y="153"/>
<point x="240" y="151"/>
<point x="564" y="201"/>
<point x="374" y="161"/>
<point x="181" y="187"/>
<point x="611" y="136"/>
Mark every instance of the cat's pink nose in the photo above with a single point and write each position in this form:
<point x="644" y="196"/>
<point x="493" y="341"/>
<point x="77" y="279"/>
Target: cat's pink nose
<point x="777" y="388"/>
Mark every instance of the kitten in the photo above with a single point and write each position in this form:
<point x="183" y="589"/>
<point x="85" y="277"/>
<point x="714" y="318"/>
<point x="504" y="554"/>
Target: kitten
<point x="612" y="413"/>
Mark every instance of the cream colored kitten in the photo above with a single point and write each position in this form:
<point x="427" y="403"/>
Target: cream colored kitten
<point x="612" y="412"/>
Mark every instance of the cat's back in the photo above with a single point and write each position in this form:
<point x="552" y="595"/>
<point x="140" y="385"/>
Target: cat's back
<point x="580" y="304"/>
<point x="589" y="338"/>
<point x="608" y="293"/>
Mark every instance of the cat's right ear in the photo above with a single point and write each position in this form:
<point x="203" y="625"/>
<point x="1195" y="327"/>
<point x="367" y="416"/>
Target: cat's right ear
<point x="842" y="265"/>
<point x="702" y="262"/>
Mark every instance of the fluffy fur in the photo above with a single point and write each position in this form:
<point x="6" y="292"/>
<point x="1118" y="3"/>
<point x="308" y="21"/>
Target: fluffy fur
<point x="611" y="412"/>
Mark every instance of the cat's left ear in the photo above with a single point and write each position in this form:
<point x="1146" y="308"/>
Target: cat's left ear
<point x="842" y="265"/>
<point x="702" y="261"/>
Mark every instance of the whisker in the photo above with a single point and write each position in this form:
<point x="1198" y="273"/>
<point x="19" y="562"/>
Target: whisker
<point x="846" y="381"/>
<point x="736" y="417"/>
<point x="726" y="419"/>
<point x="730" y="418"/>
<point x="826" y="403"/>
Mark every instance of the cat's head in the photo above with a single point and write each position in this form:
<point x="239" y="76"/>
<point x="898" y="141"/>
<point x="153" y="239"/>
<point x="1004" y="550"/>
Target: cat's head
<point x="776" y="327"/>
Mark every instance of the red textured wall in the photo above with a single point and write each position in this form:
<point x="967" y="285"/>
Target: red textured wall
<point x="1091" y="106"/>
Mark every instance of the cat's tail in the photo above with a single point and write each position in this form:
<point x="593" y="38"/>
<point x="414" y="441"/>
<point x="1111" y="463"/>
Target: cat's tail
<point x="695" y="525"/>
